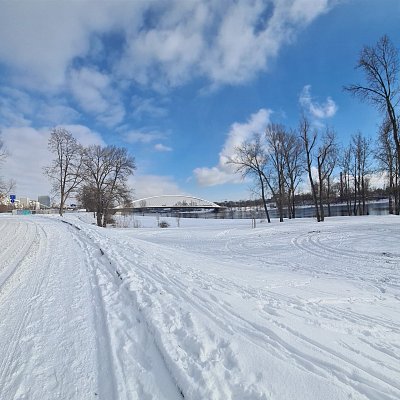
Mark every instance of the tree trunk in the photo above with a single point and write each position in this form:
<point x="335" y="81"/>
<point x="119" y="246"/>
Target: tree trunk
<point x="263" y="198"/>
<point x="397" y="189"/>
<point x="363" y="195"/>
<point x="328" y="195"/>
<point x="314" y="193"/>
<point x="341" y="187"/>
<point x="320" y="194"/>
<point x="99" y="218"/>
<point x="61" y="209"/>
<point x="355" y="193"/>
<point x="280" y="200"/>
<point x="349" y="193"/>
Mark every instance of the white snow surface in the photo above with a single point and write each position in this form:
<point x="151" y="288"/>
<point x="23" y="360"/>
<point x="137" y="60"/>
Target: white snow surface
<point x="212" y="309"/>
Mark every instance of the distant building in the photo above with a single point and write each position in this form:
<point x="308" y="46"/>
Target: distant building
<point x="24" y="202"/>
<point x="44" y="201"/>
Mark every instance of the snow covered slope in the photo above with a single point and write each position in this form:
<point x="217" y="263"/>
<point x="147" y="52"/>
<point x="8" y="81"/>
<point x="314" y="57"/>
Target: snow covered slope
<point x="210" y="310"/>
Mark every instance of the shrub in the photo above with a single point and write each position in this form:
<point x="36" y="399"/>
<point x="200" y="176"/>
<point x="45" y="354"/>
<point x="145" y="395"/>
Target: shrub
<point x="163" y="224"/>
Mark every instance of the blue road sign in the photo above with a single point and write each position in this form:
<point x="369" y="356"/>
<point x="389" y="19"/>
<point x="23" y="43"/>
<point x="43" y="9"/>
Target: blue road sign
<point x="12" y="198"/>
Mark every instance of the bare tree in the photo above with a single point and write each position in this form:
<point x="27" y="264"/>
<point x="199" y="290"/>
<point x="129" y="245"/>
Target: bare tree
<point x="346" y="177"/>
<point x="381" y="66"/>
<point x="106" y="172"/>
<point x="325" y="157"/>
<point x="65" y="172"/>
<point x="293" y="154"/>
<point x="250" y="158"/>
<point x="276" y="140"/>
<point x="309" y="142"/>
<point x="361" y="147"/>
<point x="325" y="164"/>
<point x="6" y="187"/>
<point x="86" y="197"/>
<point x="329" y="167"/>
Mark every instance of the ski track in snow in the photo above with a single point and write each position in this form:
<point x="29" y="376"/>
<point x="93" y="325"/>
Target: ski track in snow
<point x="46" y="332"/>
<point x="210" y="311"/>
<point x="131" y="362"/>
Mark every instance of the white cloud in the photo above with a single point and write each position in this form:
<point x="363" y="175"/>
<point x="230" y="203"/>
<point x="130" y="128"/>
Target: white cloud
<point x="302" y="12"/>
<point x="56" y="114"/>
<point x="84" y="135"/>
<point x="239" y="133"/>
<point x="15" y="107"/>
<point x="228" y="42"/>
<point x="138" y="136"/>
<point x="162" y="148"/>
<point x="95" y="94"/>
<point x="317" y="110"/>
<point x="41" y="39"/>
<point x="153" y="185"/>
<point x="216" y="175"/>
<point x="224" y="41"/>
<point x="19" y="108"/>
<point x="167" y="52"/>
<point x="239" y="51"/>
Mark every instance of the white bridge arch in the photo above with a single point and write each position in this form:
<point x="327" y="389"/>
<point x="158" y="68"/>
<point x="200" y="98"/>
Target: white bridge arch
<point x="172" y="201"/>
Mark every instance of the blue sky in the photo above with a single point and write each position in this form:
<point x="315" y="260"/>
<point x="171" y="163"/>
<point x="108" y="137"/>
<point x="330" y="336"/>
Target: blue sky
<point x="179" y="83"/>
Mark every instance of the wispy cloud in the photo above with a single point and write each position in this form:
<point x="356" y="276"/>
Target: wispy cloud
<point x="225" y="42"/>
<point x="162" y="148"/>
<point x="20" y="108"/>
<point x="95" y="93"/>
<point x="222" y="41"/>
<point x="317" y="110"/>
<point x="142" y="136"/>
<point x="239" y="133"/>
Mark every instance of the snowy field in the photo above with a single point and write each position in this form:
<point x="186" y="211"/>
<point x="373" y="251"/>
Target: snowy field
<point x="209" y="310"/>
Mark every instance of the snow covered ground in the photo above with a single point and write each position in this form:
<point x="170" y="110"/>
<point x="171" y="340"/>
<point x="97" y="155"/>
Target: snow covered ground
<point x="209" y="310"/>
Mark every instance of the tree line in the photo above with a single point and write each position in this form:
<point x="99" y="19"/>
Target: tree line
<point x="96" y="175"/>
<point x="278" y="158"/>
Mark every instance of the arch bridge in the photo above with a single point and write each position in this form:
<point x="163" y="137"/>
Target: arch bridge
<point x="169" y="202"/>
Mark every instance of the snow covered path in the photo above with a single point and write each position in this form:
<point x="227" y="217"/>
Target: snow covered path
<point x="210" y="310"/>
<point x="55" y="331"/>
<point x="47" y="332"/>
